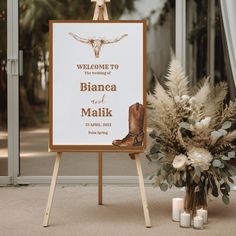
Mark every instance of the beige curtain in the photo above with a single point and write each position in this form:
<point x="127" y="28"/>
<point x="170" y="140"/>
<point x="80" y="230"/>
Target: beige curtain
<point x="228" y="9"/>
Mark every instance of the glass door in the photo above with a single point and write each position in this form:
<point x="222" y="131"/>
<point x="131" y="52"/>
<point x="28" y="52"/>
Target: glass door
<point x="36" y="162"/>
<point x="24" y="155"/>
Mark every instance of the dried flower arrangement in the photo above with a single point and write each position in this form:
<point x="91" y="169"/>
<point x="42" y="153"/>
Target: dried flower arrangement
<point x="193" y="137"/>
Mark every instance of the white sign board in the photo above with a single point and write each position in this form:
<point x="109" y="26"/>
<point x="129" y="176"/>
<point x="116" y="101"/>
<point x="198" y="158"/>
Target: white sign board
<point x="97" y="85"/>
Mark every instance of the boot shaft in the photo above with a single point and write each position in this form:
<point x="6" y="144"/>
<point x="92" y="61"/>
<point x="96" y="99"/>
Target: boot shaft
<point x="136" y="118"/>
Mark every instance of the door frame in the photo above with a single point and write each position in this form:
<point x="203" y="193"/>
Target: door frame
<point x="13" y="89"/>
<point x="12" y="93"/>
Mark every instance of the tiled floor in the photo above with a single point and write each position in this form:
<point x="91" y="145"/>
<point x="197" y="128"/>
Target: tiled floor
<point x="75" y="212"/>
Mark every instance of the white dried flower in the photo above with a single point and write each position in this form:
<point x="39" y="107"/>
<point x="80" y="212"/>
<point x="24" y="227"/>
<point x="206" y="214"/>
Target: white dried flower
<point x="192" y="101"/>
<point x="177" y="98"/>
<point x="185" y="97"/>
<point x="180" y="162"/>
<point x="204" y="123"/>
<point x="200" y="157"/>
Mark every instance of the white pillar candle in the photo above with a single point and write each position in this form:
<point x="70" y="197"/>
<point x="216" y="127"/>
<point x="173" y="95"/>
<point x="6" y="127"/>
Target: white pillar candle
<point x="197" y="222"/>
<point x="184" y="219"/>
<point x="203" y="213"/>
<point x="177" y="207"/>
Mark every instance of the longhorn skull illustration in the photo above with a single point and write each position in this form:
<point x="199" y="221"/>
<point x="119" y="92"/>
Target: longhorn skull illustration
<point x="97" y="43"/>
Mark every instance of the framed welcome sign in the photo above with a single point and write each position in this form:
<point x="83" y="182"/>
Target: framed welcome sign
<point x="97" y="85"/>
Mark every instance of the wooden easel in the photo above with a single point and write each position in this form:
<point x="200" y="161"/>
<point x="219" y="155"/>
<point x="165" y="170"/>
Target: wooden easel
<point x="100" y="13"/>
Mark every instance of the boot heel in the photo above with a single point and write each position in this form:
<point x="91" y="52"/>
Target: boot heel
<point x="138" y="144"/>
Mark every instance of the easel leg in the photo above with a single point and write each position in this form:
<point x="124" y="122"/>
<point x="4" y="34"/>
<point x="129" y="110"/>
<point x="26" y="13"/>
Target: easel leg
<point x="100" y="174"/>
<point x="52" y="189"/>
<point x="142" y="190"/>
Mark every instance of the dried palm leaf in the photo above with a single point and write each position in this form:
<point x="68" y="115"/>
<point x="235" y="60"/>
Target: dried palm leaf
<point x="229" y="113"/>
<point x="219" y="94"/>
<point x="194" y="89"/>
<point x="214" y="105"/>
<point x="224" y="143"/>
<point x="161" y="94"/>
<point x="177" y="82"/>
<point x="161" y="106"/>
<point x="202" y="94"/>
<point x="159" y="99"/>
<point x="230" y="137"/>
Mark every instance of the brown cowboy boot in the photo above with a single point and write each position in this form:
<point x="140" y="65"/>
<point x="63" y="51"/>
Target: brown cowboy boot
<point x="136" y="122"/>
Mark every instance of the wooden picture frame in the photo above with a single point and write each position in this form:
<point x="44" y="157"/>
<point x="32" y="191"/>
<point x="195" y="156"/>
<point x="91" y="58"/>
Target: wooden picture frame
<point x="64" y="147"/>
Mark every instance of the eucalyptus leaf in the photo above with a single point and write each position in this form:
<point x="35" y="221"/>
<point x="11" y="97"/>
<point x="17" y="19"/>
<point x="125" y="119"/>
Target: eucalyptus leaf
<point x="223" y="174"/>
<point x="215" y="191"/>
<point x="231" y="180"/>
<point x="223" y="131"/>
<point x="225" y="199"/>
<point x="227" y="186"/>
<point x="232" y="170"/>
<point x="222" y="165"/>
<point x="161" y="155"/>
<point x="216" y="134"/>
<point x="148" y="157"/>
<point x="163" y="172"/>
<point x="225" y="158"/>
<point x="151" y="177"/>
<point x="155" y="184"/>
<point x="224" y="188"/>
<point x="164" y="187"/>
<point x="224" y="191"/>
<point x="155" y="164"/>
<point x="226" y="125"/>
<point x="154" y="156"/>
<point x="231" y="154"/>
<point x="152" y="134"/>
<point x="158" y="172"/>
<point x="158" y="165"/>
<point x="216" y="163"/>
<point x="184" y="125"/>
<point x="158" y="181"/>
<point x="221" y="181"/>
<point x="155" y="148"/>
<point x="214" y="187"/>
<point x="169" y="179"/>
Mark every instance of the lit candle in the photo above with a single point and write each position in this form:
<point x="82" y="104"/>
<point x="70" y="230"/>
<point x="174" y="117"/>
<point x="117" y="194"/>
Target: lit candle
<point x="203" y="213"/>
<point x="177" y="207"/>
<point x="184" y="220"/>
<point x="198" y="222"/>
